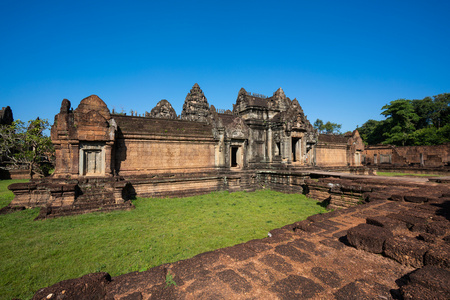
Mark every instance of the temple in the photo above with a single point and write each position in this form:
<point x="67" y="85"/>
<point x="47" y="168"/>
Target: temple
<point x="103" y="159"/>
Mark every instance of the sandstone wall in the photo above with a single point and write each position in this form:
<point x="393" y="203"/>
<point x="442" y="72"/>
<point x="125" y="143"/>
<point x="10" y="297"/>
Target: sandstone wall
<point x="150" y="145"/>
<point x="339" y="150"/>
<point x="14" y="174"/>
<point x="423" y="156"/>
<point x="156" y="156"/>
<point x="331" y="155"/>
<point x="433" y="156"/>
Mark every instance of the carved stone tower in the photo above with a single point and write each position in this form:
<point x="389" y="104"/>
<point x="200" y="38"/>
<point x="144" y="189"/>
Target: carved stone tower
<point x="196" y="107"/>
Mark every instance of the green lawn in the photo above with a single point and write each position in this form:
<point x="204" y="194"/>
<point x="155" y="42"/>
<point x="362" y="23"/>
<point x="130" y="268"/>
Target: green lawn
<point x="396" y="174"/>
<point x="5" y="195"/>
<point x="35" y="254"/>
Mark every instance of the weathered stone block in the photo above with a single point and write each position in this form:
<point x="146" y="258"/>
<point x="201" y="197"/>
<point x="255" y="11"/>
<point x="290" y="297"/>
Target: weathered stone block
<point x="388" y="223"/>
<point x="439" y="256"/>
<point x="91" y="286"/>
<point x="438" y="228"/>
<point x="419" y="292"/>
<point x="433" y="279"/>
<point x="296" y="287"/>
<point x="415" y="199"/>
<point x="406" y="251"/>
<point x="368" y="237"/>
<point x="363" y="289"/>
<point x="409" y="220"/>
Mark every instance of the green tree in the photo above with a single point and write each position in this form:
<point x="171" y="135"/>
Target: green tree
<point x="433" y="111"/>
<point x="318" y="124"/>
<point x="424" y="109"/>
<point x="443" y="134"/>
<point x="425" y="136"/>
<point x="332" y="128"/>
<point x="441" y="114"/>
<point x="25" y="144"/>
<point x="400" y="119"/>
<point x="328" y="127"/>
<point x="372" y="132"/>
<point x="411" y="122"/>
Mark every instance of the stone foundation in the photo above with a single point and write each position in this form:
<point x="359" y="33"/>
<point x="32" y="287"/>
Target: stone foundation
<point x="58" y="197"/>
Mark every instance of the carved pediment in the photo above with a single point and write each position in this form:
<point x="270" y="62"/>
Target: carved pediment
<point x="241" y="101"/>
<point x="163" y="110"/>
<point x="91" y="118"/>
<point x="237" y="129"/>
<point x="279" y="101"/>
<point x="92" y="103"/>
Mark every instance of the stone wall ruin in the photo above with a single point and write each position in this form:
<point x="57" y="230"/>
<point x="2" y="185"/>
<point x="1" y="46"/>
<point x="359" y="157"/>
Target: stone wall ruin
<point x="412" y="159"/>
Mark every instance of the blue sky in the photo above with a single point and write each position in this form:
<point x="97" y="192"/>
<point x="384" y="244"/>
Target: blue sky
<point x="343" y="60"/>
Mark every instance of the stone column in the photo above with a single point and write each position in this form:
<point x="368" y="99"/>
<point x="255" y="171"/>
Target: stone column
<point x="74" y="155"/>
<point x="108" y="158"/>
<point x="250" y="148"/>
<point x="265" y="143"/>
<point x="288" y="149"/>
<point x="269" y="144"/>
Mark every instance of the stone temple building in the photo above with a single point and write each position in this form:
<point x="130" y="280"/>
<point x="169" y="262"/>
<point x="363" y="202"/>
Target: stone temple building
<point x="104" y="159"/>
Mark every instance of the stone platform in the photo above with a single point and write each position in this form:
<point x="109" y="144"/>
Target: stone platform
<point x="396" y="246"/>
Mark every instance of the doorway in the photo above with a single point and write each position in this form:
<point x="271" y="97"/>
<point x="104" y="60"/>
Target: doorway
<point x="234" y="157"/>
<point x="296" y="149"/>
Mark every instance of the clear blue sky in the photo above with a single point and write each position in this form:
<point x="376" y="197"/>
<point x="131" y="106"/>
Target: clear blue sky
<point x="343" y="60"/>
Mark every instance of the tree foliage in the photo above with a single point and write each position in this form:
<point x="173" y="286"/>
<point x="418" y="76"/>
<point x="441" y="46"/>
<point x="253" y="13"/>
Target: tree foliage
<point x="411" y="122"/>
<point x="25" y="144"/>
<point x="328" y="127"/>
<point x="400" y="119"/>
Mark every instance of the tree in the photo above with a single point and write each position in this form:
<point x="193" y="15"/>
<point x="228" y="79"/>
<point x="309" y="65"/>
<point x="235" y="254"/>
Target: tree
<point x="26" y="145"/>
<point x="411" y="122"/>
<point x="372" y="132"/>
<point x="318" y="124"/>
<point x="328" y="127"/>
<point x="332" y="128"/>
<point x="433" y="111"/>
<point x="424" y="109"/>
<point x="400" y="120"/>
<point x="441" y="114"/>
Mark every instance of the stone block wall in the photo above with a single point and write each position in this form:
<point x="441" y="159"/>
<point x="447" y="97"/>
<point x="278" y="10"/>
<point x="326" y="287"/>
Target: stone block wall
<point x="408" y="156"/>
<point x="137" y="157"/>
<point x="433" y="156"/>
<point x="331" y="155"/>
<point x="339" y="150"/>
<point x="151" y="145"/>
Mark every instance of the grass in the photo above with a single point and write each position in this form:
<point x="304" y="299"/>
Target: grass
<point x="6" y="195"/>
<point x="398" y="174"/>
<point x="35" y="254"/>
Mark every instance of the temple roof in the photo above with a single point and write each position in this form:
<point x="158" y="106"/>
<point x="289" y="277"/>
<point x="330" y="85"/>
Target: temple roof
<point x="196" y="107"/>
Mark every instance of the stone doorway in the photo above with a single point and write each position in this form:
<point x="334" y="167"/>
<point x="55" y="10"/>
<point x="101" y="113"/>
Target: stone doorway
<point x="296" y="149"/>
<point x="277" y="149"/>
<point x="234" y="157"/>
<point x="357" y="159"/>
<point x="92" y="162"/>
<point x="92" y="159"/>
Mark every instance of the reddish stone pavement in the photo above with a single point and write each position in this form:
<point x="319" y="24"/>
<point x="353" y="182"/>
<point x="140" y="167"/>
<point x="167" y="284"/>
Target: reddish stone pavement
<point x="403" y="253"/>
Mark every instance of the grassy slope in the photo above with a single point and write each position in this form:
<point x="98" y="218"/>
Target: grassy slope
<point x="36" y="254"/>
